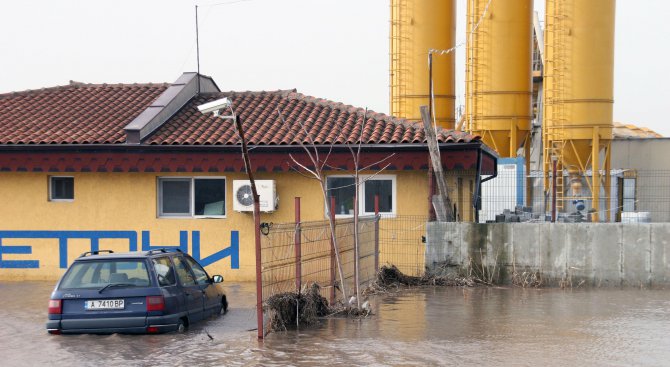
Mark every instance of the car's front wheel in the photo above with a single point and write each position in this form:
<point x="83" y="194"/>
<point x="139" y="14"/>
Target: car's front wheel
<point x="181" y="326"/>
<point x="224" y="306"/>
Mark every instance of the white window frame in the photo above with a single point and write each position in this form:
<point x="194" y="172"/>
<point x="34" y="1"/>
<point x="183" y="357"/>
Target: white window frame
<point x="191" y="180"/>
<point x="361" y="194"/>
<point x="394" y="194"/>
<point x="51" y="192"/>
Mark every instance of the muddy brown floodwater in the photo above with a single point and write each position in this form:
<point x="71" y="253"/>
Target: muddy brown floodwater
<point x="431" y="326"/>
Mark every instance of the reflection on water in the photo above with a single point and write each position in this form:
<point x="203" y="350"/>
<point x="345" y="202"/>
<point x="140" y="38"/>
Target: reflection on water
<point x="434" y="326"/>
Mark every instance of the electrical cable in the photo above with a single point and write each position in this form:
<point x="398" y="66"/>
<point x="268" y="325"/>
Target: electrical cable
<point x="449" y="50"/>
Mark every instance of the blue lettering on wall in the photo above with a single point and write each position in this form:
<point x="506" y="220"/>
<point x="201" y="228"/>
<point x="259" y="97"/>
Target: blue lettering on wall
<point x="233" y="251"/>
<point x="17" y="264"/>
<point x="94" y="236"/>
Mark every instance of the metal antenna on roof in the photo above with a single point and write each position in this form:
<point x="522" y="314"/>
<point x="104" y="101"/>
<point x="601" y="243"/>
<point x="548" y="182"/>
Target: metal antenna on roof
<point x="197" y="46"/>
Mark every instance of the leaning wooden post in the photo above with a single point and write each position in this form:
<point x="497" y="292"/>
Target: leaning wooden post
<point x="333" y="262"/>
<point x="257" y="228"/>
<point x="298" y="250"/>
<point x="443" y="209"/>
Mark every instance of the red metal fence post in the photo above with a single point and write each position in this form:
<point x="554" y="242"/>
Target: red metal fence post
<point x="376" y="233"/>
<point x="333" y="262"/>
<point x="298" y="250"/>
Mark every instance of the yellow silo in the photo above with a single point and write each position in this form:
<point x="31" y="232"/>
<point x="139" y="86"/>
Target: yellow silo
<point x="578" y="95"/>
<point x="416" y="27"/>
<point x="498" y="72"/>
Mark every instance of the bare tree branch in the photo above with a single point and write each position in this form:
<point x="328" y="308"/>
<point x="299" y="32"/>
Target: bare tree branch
<point x="317" y="172"/>
<point x="378" y="162"/>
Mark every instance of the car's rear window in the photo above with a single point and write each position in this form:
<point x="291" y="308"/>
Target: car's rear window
<point x="96" y="274"/>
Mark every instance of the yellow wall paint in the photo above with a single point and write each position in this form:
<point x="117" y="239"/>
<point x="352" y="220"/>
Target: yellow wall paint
<point x="128" y="202"/>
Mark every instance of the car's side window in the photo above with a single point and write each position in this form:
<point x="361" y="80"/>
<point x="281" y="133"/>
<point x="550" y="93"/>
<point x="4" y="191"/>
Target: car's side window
<point x="200" y="274"/>
<point x="164" y="271"/>
<point x="185" y="276"/>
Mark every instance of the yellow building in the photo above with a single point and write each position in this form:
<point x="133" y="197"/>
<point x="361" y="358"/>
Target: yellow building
<point x="137" y="166"/>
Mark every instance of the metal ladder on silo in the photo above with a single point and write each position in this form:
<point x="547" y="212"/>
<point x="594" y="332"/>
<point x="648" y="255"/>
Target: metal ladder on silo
<point x="398" y="68"/>
<point x="554" y="141"/>
<point x="476" y="65"/>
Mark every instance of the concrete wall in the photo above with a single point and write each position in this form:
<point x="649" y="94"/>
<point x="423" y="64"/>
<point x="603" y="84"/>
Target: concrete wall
<point x="596" y="254"/>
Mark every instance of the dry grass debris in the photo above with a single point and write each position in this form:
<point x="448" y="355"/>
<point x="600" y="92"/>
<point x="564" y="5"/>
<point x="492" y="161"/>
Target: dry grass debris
<point x="293" y="309"/>
<point x="391" y="279"/>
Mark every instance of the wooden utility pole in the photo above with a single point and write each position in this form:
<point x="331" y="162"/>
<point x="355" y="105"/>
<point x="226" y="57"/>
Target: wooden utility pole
<point x="441" y="202"/>
<point x="257" y="227"/>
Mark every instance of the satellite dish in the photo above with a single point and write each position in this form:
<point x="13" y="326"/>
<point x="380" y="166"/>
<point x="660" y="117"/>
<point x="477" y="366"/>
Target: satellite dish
<point x="244" y="195"/>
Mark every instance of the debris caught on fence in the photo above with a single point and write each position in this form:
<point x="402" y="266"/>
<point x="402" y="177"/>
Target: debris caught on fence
<point x="291" y="309"/>
<point x="390" y="279"/>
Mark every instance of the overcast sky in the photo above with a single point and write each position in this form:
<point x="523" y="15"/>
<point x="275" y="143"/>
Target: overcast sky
<point x="335" y="49"/>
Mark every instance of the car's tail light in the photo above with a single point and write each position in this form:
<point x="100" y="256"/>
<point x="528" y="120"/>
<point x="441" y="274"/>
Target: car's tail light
<point x="155" y="303"/>
<point x="152" y="329"/>
<point x="55" y="307"/>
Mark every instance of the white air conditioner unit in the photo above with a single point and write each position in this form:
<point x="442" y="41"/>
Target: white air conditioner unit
<point x="243" y="200"/>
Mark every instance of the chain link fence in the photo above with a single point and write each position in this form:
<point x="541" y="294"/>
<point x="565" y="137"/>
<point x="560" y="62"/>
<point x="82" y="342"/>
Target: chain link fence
<point x="627" y="196"/>
<point x="296" y="254"/>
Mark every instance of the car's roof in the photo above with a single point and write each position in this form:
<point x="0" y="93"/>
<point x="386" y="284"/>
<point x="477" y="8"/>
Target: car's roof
<point x="125" y="255"/>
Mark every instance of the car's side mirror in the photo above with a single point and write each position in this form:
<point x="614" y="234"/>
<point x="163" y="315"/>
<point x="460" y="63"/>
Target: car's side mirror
<point x="217" y="279"/>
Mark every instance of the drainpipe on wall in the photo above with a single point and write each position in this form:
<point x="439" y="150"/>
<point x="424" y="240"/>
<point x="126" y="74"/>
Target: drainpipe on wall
<point x="477" y="196"/>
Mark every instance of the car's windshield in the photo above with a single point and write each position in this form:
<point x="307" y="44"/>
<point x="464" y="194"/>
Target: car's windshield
<point x="100" y="273"/>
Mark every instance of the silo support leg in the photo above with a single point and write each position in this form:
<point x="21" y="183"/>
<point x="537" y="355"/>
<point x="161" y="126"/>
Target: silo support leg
<point x="608" y="183"/>
<point x="512" y="140"/>
<point x="529" y="183"/>
<point x="595" y="173"/>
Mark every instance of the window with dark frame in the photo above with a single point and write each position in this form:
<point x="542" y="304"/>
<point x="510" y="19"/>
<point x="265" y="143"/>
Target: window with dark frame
<point x="343" y="188"/>
<point x="191" y="197"/>
<point x="61" y="188"/>
<point x="629" y="195"/>
<point x="383" y="188"/>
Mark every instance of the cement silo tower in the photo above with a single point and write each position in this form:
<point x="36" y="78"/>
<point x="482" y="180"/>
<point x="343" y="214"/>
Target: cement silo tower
<point x="498" y="72"/>
<point x="578" y="98"/>
<point x="416" y="27"/>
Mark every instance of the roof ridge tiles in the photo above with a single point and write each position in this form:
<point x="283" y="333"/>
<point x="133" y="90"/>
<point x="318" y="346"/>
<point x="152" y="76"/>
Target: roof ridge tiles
<point x="74" y="85"/>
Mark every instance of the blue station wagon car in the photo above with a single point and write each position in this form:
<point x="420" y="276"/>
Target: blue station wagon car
<point x="134" y="292"/>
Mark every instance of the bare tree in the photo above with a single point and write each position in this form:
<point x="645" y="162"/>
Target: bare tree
<point x="319" y="160"/>
<point x="356" y="158"/>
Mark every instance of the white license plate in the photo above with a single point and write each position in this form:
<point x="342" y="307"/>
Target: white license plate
<point x="104" y="304"/>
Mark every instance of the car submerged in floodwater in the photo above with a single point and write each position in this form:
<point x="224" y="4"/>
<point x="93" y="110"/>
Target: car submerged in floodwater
<point x="153" y="291"/>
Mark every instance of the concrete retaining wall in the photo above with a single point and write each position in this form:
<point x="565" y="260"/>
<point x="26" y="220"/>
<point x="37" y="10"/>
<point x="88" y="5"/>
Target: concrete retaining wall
<point x="597" y="254"/>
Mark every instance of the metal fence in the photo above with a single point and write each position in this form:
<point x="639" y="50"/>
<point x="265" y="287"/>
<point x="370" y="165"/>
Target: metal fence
<point x="297" y="254"/>
<point x="630" y="196"/>
<point x="402" y="243"/>
<point x="294" y="254"/>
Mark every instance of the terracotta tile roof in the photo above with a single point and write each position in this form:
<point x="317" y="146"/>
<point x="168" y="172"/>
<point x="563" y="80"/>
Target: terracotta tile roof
<point x="73" y="114"/>
<point x="324" y="120"/>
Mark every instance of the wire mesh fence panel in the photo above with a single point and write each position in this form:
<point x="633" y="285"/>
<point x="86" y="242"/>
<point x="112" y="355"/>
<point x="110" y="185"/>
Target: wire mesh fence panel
<point x="317" y="260"/>
<point x="402" y="243"/>
<point x="367" y="251"/>
<point x="625" y="195"/>
<point x="278" y="260"/>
